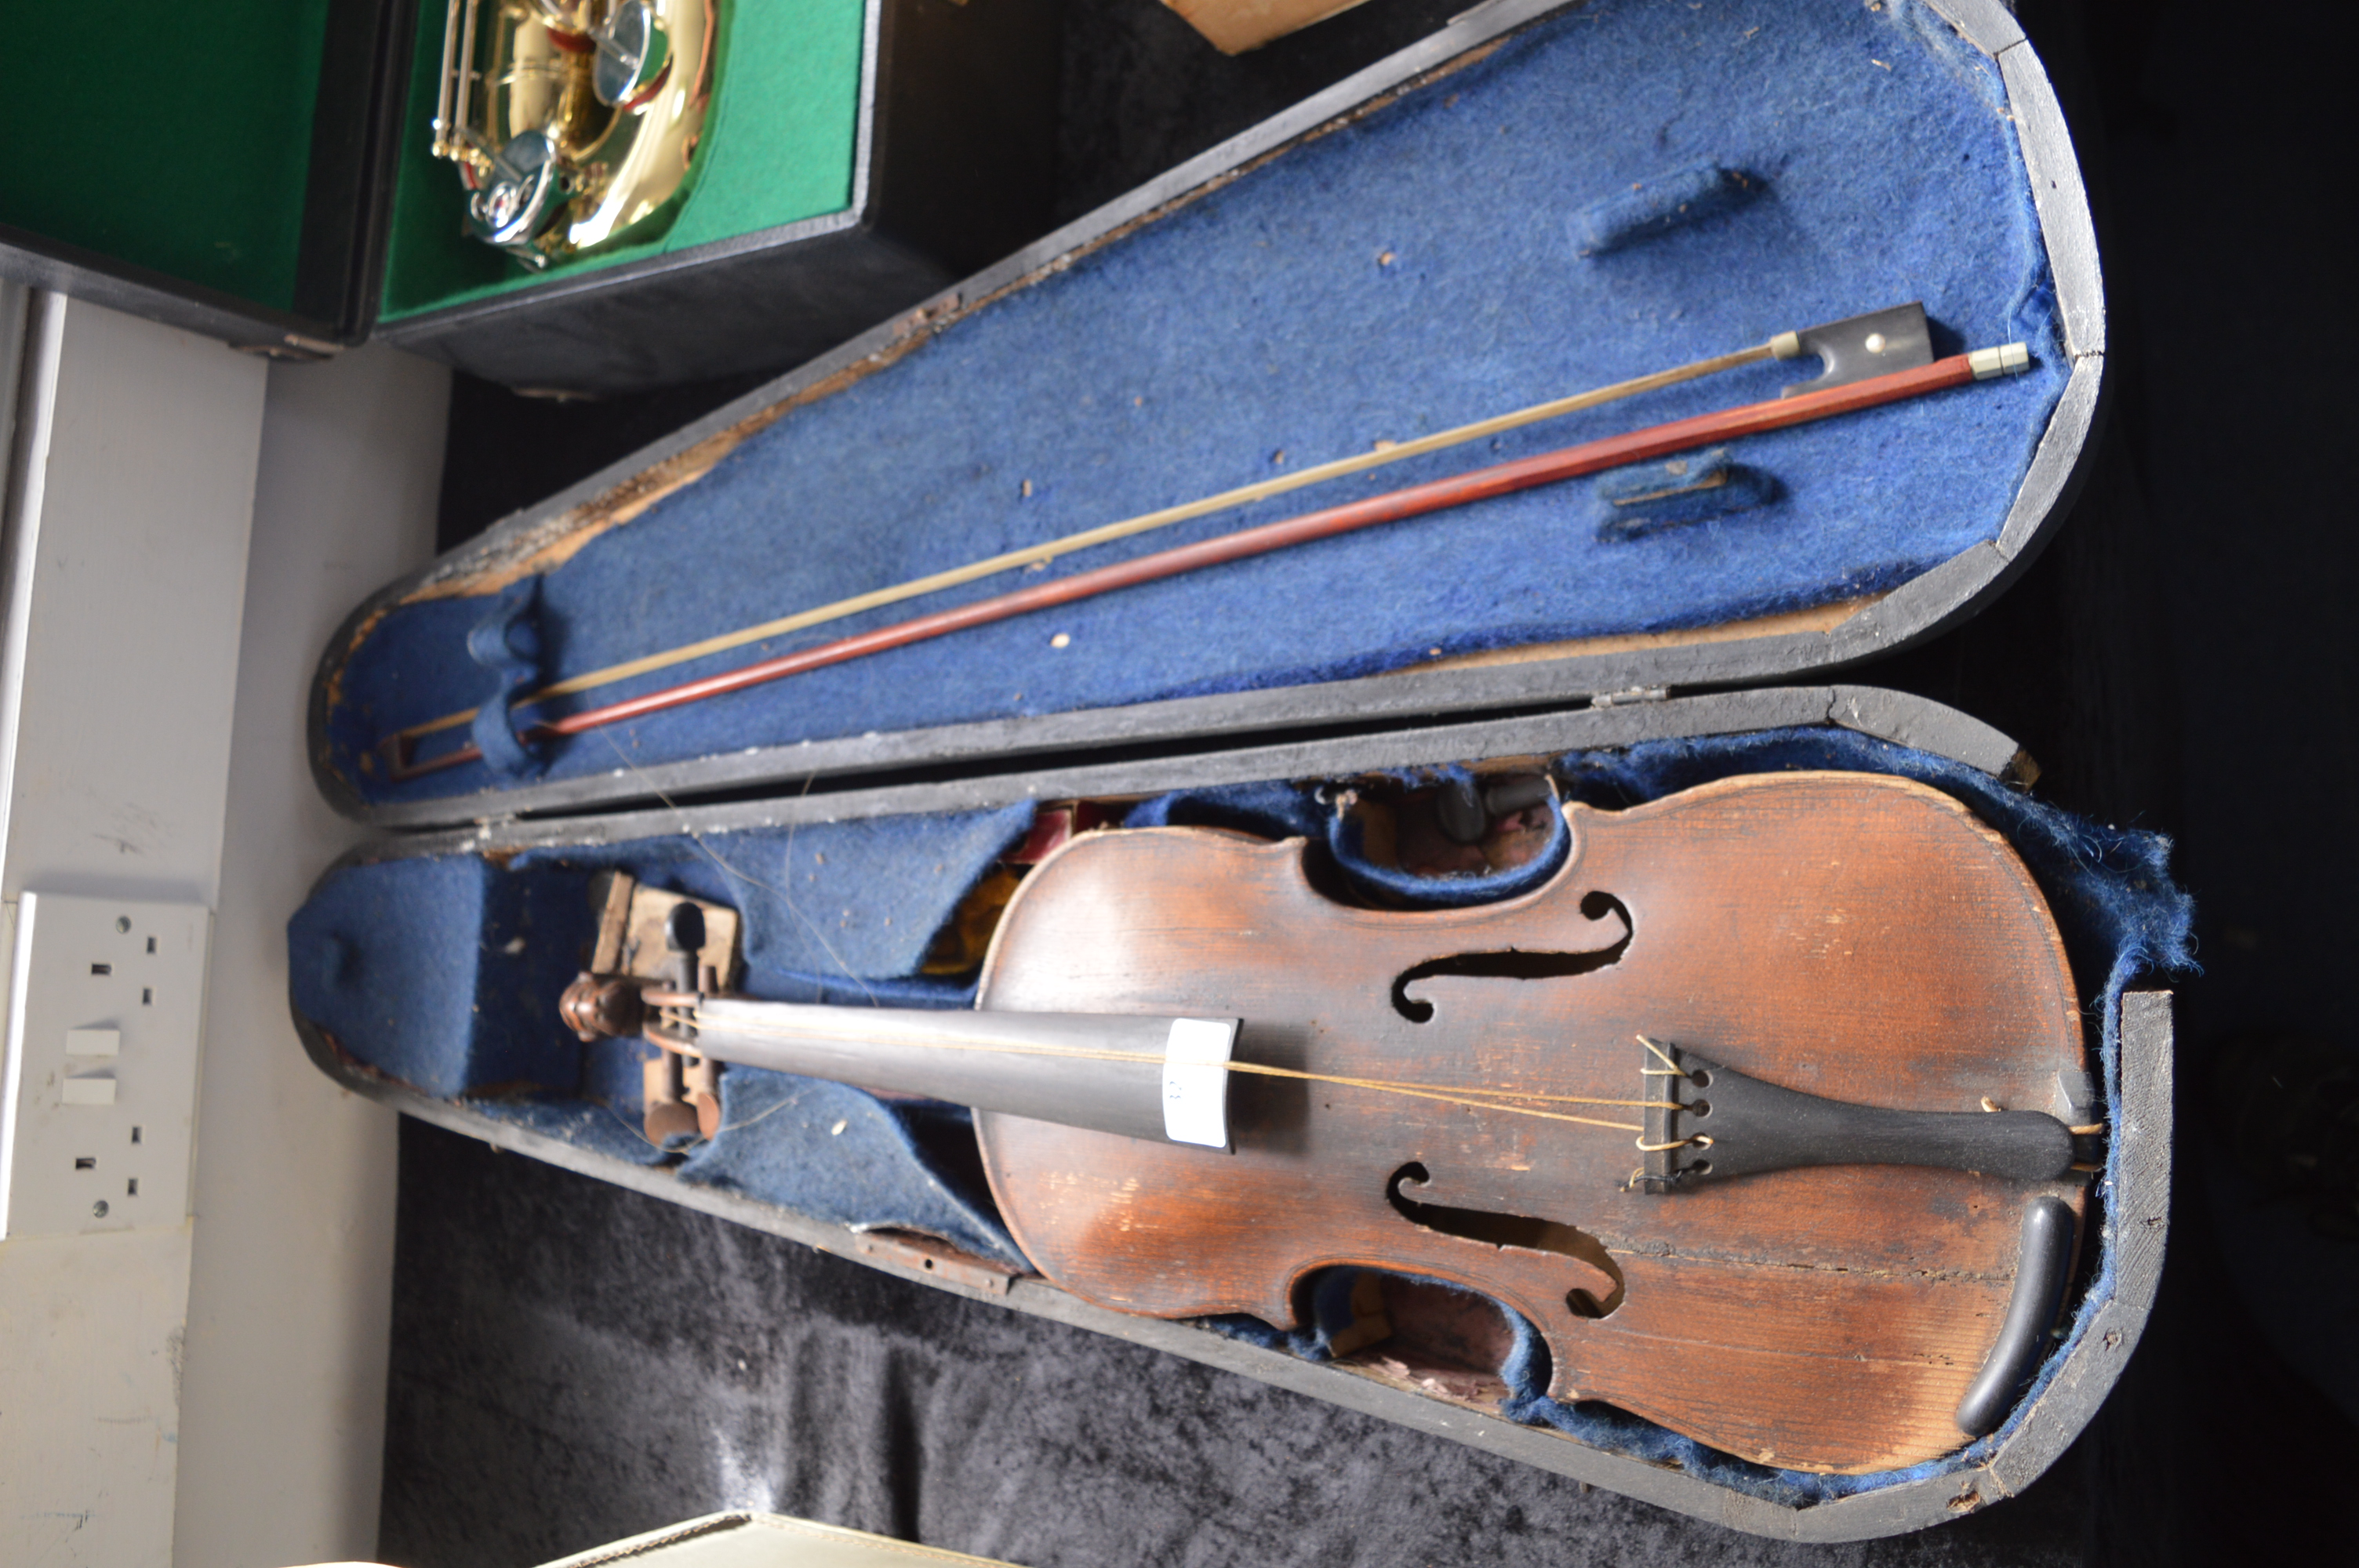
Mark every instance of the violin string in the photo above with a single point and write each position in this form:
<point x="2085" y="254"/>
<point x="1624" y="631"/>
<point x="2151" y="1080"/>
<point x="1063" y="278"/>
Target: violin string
<point x="1676" y="1071"/>
<point x="1493" y="1100"/>
<point x="639" y="1132"/>
<point x="1042" y="553"/>
<point x="1472" y="1098"/>
<point x="785" y="894"/>
<point x="775" y="1029"/>
<point x="1462" y="1097"/>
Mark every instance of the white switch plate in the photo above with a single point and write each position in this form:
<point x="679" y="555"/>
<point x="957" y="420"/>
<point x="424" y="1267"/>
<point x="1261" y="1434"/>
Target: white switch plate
<point x="92" y="1142"/>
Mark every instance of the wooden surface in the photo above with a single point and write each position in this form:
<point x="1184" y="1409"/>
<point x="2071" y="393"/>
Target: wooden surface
<point x="1853" y="936"/>
<point x="1235" y="26"/>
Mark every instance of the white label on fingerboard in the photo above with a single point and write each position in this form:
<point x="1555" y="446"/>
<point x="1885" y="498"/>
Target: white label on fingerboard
<point x="1196" y="1081"/>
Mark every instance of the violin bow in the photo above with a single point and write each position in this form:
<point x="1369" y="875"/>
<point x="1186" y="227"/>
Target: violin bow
<point x="1853" y="349"/>
<point x="1858" y="346"/>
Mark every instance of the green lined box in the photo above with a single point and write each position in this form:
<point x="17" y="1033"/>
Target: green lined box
<point x="266" y="175"/>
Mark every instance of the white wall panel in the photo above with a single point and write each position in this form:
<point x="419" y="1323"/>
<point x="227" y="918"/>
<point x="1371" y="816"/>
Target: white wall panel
<point x="210" y="1393"/>
<point x="130" y="496"/>
<point x="283" y="1411"/>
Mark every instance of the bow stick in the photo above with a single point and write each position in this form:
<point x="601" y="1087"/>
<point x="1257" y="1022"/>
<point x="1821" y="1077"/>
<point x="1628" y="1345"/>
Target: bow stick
<point x="1851" y="349"/>
<point x="1459" y="490"/>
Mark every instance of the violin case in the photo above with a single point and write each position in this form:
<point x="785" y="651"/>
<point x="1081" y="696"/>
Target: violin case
<point x="858" y="156"/>
<point x="1539" y="199"/>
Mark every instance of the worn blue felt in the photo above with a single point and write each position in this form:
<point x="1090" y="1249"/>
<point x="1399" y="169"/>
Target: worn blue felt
<point x="1646" y="497"/>
<point x="1460" y="891"/>
<point x="376" y="954"/>
<point x="861" y="898"/>
<point x="1289" y="811"/>
<point x="805" y="1125"/>
<point x="1411" y="271"/>
<point x="442" y="972"/>
<point x="1650" y="209"/>
<point x="506" y="642"/>
<point x="433" y="972"/>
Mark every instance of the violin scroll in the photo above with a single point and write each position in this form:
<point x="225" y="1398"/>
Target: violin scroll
<point x="603" y="1007"/>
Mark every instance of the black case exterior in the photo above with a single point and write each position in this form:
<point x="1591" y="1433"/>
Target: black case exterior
<point x="954" y="168"/>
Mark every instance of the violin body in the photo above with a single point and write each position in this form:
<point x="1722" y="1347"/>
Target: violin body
<point x="1855" y="936"/>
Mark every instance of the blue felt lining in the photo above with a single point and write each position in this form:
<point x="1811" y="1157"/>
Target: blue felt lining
<point x="806" y="1126"/>
<point x="857" y="900"/>
<point x="1634" y="502"/>
<point x="1290" y="811"/>
<point x="1460" y="892"/>
<point x="434" y="972"/>
<point x="506" y="642"/>
<point x="1408" y="272"/>
<point x="441" y="972"/>
<point x="1653" y="208"/>
<point x="397" y="958"/>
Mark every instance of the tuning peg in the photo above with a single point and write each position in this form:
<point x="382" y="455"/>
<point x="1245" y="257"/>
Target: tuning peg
<point x="684" y="936"/>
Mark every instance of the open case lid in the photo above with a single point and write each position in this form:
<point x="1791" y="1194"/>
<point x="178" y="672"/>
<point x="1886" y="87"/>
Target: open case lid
<point x="422" y="970"/>
<point x="1538" y="200"/>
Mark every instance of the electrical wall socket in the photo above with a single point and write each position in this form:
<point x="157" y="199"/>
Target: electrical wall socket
<point x="98" y="1105"/>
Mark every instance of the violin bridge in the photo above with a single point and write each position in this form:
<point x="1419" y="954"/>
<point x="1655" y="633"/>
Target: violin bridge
<point x="1664" y="1140"/>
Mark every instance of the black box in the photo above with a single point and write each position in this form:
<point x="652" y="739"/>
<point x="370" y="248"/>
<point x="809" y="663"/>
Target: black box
<point x="295" y="213"/>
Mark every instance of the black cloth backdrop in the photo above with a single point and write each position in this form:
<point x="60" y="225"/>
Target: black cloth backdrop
<point x="572" y="1363"/>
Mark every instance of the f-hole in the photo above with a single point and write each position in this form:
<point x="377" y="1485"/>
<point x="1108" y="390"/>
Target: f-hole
<point x="1510" y="1231"/>
<point x="1514" y="965"/>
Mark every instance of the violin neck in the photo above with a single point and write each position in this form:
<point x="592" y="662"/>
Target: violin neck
<point x="1152" y="1077"/>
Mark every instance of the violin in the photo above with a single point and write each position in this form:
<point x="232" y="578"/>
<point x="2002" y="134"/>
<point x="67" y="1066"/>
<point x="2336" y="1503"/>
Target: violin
<point x="1746" y="1109"/>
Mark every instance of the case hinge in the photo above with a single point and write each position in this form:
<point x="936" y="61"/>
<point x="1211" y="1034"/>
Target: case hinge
<point x="925" y="1255"/>
<point x="1633" y="694"/>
